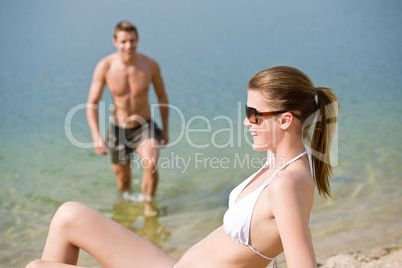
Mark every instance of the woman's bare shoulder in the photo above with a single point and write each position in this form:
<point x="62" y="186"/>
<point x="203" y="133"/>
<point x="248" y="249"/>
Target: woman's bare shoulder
<point x="292" y="179"/>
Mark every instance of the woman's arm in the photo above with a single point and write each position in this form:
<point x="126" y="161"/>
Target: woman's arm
<point x="291" y="197"/>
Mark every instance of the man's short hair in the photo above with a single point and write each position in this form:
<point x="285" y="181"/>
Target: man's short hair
<point x="124" y="26"/>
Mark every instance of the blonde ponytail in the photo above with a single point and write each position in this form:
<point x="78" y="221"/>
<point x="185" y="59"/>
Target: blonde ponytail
<point x="323" y="134"/>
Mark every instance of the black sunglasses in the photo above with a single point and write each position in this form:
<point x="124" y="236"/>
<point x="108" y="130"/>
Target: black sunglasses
<point x="253" y="116"/>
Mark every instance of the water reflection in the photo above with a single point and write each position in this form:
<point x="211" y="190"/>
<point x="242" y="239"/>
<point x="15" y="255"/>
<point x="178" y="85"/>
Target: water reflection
<point x="131" y="215"/>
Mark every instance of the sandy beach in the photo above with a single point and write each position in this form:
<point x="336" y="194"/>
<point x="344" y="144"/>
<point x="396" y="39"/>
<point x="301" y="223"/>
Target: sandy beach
<point x="384" y="257"/>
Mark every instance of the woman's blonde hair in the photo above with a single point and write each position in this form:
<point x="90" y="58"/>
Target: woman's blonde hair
<point x="289" y="89"/>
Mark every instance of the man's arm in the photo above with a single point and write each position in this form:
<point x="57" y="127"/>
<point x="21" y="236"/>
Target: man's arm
<point x="94" y="96"/>
<point x="163" y="102"/>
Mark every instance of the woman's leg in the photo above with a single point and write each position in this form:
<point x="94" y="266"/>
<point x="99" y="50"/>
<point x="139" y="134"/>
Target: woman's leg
<point x="49" y="264"/>
<point x="76" y="226"/>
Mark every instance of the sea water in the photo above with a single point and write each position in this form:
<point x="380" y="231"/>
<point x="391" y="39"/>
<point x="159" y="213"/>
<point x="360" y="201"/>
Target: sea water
<point x="207" y="51"/>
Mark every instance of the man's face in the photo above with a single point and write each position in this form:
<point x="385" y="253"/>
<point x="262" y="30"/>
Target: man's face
<point x="126" y="43"/>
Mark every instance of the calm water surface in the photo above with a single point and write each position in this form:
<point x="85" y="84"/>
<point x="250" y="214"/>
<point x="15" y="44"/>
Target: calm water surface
<point x="207" y="51"/>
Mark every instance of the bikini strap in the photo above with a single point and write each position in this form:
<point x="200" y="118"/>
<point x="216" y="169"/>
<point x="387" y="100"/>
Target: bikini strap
<point x="294" y="159"/>
<point x="287" y="164"/>
<point x="275" y="265"/>
<point x="310" y="162"/>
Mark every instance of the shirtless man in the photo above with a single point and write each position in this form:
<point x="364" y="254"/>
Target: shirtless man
<point x="128" y="75"/>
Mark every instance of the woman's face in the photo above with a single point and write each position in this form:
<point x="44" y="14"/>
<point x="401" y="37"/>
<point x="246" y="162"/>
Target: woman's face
<point x="264" y="131"/>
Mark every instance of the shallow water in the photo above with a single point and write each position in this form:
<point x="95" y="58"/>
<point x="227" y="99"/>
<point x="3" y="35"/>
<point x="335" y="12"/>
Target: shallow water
<point x="207" y="52"/>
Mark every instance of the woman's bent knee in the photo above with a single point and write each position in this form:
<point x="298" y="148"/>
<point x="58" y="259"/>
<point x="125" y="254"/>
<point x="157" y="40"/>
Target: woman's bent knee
<point x="34" y="264"/>
<point x="68" y="213"/>
<point x="71" y="206"/>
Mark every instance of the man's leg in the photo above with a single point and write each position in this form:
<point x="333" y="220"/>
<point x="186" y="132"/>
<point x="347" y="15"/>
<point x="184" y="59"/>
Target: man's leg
<point x="123" y="176"/>
<point x="149" y="157"/>
<point x="120" y="156"/>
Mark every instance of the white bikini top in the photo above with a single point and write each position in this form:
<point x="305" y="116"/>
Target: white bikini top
<point x="237" y="219"/>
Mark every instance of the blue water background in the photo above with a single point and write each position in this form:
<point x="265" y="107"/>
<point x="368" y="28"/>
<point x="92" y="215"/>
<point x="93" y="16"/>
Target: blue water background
<point x="207" y="51"/>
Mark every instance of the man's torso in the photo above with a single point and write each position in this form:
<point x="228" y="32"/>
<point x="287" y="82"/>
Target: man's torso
<point x="129" y="87"/>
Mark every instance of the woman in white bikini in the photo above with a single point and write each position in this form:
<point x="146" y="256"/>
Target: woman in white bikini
<point x="268" y="213"/>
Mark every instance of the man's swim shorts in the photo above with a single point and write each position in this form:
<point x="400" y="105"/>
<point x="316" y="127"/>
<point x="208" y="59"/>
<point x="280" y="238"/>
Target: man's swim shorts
<point x="123" y="141"/>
